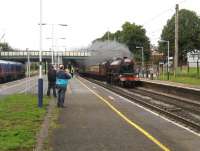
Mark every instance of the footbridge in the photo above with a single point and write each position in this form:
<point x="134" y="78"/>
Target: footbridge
<point x="46" y="55"/>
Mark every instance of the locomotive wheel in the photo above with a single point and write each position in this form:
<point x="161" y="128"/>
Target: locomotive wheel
<point x="122" y="84"/>
<point x="133" y="84"/>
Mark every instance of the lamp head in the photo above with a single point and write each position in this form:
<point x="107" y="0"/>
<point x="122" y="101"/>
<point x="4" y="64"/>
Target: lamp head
<point x="162" y="40"/>
<point x="63" y="24"/>
<point x="42" y="24"/>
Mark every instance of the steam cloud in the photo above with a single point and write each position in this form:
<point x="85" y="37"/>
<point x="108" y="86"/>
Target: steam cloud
<point x="105" y="50"/>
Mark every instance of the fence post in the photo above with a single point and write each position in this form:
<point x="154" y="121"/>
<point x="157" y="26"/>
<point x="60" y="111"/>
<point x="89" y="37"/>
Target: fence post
<point x="147" y="71"/>
<point x="158" y="71"/>
<point x="198" y="68"/>
<point x="188" y="67"/>
<point x="163" y="71"/>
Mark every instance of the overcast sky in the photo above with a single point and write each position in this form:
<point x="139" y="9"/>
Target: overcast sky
<point x="87" y="19"/>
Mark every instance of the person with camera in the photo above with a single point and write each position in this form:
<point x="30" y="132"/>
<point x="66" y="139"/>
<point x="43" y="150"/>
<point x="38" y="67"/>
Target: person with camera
<point x="62" y="79"/>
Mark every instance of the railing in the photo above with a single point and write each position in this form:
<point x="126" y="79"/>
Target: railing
<point x="45" y="53"/>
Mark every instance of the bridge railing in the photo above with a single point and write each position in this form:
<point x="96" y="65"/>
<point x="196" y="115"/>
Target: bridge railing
<point x="45" y="53"/>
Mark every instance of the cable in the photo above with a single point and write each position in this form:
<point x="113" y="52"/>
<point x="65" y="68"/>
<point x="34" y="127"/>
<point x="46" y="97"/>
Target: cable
<point x="153" y="34"/>
<point x="160" y="14"/>
<point x="155" y="17"/>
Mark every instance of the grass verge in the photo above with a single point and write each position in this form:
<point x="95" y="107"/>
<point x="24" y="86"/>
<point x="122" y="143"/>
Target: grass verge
<point x="182" y="78"/>
<point x="20" y="121"/>
<point x="53" y="125"/>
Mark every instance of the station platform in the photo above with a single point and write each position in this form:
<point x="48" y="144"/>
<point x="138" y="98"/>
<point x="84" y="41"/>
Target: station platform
<point x="96" y="119"/>
<point x="175" y="84"/>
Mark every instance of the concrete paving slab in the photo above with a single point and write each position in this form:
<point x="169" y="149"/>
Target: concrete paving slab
<point x="173" y="136"/>
<point x="87" y="124"/>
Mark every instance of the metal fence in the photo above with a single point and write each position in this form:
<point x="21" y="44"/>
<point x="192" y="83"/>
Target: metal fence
<point x="160" y="71"/>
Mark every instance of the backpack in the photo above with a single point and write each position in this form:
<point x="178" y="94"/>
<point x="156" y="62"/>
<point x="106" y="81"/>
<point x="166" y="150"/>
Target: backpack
<point x="61" y="83"/>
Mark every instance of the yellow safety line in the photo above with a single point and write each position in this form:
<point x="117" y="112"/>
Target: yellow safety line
<point x="128" y="120"/>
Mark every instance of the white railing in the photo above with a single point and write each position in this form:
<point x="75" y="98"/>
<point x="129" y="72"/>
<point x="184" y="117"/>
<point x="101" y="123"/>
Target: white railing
<point x="45" y="53"/>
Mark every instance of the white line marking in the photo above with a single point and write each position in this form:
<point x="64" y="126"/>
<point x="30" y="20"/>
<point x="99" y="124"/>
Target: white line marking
<point x="111" y="97"/>
<point x="127" y="100"/>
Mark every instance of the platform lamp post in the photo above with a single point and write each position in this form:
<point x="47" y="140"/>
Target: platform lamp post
<point x="52" y="51"/>
<point x="40" y="80"/>
<point x="58" y="60"/>
<point x="64" y="25"/>
<point x="167" y="41"/>
<point x="142" y="59"/>
<point x="52" y="38"/>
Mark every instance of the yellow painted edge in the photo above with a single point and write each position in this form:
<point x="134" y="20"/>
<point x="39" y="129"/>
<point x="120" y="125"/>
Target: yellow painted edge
<point x="149" y="136"/>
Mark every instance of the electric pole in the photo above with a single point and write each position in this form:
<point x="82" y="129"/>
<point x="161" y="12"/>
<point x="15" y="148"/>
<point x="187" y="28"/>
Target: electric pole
<point x="176" y="40"/>
<point x="108" y="35"/>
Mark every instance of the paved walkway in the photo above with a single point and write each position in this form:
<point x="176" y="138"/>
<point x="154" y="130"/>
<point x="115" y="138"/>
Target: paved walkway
<point x="89" y="124"/>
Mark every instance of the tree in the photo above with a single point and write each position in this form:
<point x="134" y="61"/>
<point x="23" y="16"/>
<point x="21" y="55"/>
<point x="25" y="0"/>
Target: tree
<point x="5" y="47"/>
<point x="189" y="34"/>
<point x="117" y="36"/>
<point x="132" y="35"/>
<point x="135" y="35"/>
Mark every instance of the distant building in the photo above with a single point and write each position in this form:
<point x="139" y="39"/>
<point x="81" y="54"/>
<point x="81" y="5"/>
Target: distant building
<point x="193" y="57"/>
<point x="156" y="56"/>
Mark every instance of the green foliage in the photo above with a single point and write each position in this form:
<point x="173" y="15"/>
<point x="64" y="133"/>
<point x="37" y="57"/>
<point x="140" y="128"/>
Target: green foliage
<point x="189" y="34"/>
<point x="182" y="79"/>
<point x="20" y="120"/>
<point x="192" y="72"/>
<point x="183" y="76"/>
<point x="132" y="35"/>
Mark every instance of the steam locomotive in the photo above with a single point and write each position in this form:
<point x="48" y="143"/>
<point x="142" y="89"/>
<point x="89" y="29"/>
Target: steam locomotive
<point x="10" y="70"/>
<point x="120" y="71"/>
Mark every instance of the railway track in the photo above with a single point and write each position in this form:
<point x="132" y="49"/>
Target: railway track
<point x="170" y="100"/>
<point x="181" y="110"/>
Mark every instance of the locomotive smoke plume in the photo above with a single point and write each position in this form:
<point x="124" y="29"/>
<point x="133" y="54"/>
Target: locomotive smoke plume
<point x="106" y="50"/>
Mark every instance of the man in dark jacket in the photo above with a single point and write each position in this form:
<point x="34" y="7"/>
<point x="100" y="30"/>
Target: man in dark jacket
<point x="51" y="81"/>
<point x="62" y="74"/>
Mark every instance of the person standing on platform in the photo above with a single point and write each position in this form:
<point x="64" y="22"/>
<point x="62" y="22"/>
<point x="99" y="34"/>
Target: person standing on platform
<point x="62" y="78"/>
<point x="51" y="80"/>
<point x="72" y="71"/>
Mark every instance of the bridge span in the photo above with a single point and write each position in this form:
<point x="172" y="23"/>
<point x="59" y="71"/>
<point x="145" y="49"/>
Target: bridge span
<point x="46" y="55"/>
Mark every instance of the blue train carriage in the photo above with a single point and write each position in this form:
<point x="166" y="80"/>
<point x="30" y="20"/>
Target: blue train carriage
<point x="20" y="70"/>
<point x="10" y="70"/>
